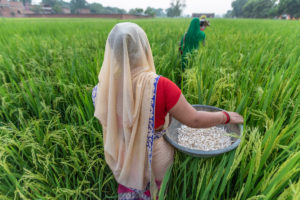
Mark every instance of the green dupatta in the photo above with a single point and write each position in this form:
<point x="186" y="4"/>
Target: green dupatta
<point x="191" y="39"/>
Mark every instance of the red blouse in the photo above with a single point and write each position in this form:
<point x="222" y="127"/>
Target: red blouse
<point x="167" y="95"/>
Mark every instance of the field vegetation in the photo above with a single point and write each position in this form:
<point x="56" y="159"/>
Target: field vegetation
<point x="51" y="145"/>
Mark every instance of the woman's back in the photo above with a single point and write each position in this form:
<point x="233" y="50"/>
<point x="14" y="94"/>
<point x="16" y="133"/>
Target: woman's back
<point x="192" y="37"/>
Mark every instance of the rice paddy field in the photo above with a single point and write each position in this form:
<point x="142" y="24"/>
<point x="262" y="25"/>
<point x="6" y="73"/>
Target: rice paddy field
<point x="51" y="145"/>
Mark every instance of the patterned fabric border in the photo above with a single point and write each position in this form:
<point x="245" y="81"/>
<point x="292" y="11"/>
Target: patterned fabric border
<point x="94" y="94"/>
<point x="150" y="135"/>
<point x="133" y="196"/>
<point x="157" y="135"/>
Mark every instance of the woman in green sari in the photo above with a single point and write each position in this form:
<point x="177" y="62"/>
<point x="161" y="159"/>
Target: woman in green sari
<point x="192" y="38"/>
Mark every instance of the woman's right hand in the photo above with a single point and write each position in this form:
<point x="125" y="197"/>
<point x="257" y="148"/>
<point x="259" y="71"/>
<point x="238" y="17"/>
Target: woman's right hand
<point x="187" y="115"/>
<point x="235" y="118"/>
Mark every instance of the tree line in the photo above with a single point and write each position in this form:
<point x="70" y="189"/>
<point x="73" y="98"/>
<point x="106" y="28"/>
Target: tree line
<point x="264" y="8"/>
<point x="175" y="9"/>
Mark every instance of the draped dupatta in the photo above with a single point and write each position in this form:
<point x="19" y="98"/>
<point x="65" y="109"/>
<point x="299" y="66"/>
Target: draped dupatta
<point x="125" y="104"/>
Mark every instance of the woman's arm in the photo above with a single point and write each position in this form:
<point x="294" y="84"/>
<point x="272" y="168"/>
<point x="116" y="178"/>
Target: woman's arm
<point x="186" y="114"/>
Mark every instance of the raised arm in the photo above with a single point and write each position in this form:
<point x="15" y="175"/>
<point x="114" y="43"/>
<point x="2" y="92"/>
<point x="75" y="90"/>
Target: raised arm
<point x="186" y="114"/>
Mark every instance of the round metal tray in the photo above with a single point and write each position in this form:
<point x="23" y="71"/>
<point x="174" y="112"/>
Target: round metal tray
<point x="172" y="135"/>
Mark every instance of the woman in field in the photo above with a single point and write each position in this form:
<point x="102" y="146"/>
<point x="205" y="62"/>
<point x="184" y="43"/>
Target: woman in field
<point x="191" y="39"/>
<point x="132" y="104"/>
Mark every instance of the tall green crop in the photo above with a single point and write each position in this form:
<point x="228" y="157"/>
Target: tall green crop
<point x="51" y="145"/>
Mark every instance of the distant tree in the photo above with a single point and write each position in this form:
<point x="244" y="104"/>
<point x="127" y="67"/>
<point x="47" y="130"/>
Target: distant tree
<point x="65" y="4"/>
<point x="37" y="9"/>
<point x="291" y="7"/>
<point x="121" y="11"/>
<point x="237" y="6"/>
<point x="57" y="8"/>
<point x="159" y="12"/>
<point x="176" y="8"/>
<point x="253" y="8"/>
<point x="258" y="8"/>
<point x="150" y="11"/>
<point x="96" y="8"/>
<point x="50" y="2"/>
<point x="77" y="4"/>
<point x="228" y="14"/>
<point x="114" y="10"/>
<point x="136" y="11"/>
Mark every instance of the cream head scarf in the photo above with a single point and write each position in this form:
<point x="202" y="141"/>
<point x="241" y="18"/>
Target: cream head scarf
<point x="123" y="103"/>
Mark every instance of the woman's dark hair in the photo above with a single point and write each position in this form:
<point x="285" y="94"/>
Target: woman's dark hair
<point x="204" y="23"/>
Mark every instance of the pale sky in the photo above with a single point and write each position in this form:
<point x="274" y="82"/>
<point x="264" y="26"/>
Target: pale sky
<point x="204" y="6"/>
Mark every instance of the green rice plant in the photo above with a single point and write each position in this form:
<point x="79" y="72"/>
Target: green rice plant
<point x="51" y="145"/>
